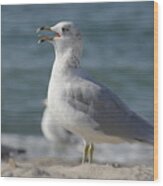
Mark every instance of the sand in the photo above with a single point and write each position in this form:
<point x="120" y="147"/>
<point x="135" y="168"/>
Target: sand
<point x="21" y="158"/>
<point x="55" y="168"/>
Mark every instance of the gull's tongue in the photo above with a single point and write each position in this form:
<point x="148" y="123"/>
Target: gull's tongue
<point x="57" y="34"/>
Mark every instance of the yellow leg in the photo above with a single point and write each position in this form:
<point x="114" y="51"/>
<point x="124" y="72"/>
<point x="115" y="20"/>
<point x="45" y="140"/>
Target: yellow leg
<point x="90" y="152"/>
<point x="85" y="153"/>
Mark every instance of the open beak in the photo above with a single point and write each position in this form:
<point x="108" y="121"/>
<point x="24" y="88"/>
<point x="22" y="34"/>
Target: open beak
<point x="44" y="38"/>
<point x="44" y="28"/>
<point x="47" y="38"/>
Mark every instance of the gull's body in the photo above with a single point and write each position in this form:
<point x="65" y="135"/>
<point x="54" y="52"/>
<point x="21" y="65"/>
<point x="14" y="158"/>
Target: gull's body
<point x="83" y="106"/>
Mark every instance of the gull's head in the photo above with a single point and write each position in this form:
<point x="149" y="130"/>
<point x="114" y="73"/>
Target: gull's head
<point x="66" y="37"/>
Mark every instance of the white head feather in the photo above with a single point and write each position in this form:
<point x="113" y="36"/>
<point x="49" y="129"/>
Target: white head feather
<point x="68" y="40"/>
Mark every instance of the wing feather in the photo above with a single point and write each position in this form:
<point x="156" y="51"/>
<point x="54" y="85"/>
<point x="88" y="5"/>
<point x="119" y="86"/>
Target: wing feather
<point x="111" y="114"/>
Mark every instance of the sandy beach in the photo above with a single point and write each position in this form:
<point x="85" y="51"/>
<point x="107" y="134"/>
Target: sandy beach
<point x="55" y="168"/>
<point x="21" y="158"/>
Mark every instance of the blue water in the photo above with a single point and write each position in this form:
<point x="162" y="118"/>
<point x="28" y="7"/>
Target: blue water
<point x="118" y="51"/>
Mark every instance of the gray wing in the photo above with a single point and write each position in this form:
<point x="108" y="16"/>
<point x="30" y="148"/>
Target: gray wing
<point x="112" y="115"/>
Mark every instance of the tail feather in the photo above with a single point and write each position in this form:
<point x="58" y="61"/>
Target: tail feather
<point x="144" y="130"/>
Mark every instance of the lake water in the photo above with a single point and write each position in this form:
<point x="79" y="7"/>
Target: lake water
<point x="118" y="51"/>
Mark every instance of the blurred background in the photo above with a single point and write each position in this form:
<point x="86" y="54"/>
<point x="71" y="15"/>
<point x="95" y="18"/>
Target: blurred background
<point x="118" y="51"/>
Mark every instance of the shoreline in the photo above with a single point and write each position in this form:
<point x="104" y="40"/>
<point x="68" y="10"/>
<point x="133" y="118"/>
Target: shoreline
<point x="40" y="159"/>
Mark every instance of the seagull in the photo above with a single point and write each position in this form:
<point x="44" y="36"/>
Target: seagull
<point x="79" y="104"/>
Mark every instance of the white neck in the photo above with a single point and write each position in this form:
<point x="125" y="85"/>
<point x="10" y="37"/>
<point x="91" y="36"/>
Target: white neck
<point x="67" y="57"/>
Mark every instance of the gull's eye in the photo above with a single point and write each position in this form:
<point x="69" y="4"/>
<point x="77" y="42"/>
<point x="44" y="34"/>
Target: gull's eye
<point x="65" y="29"/>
